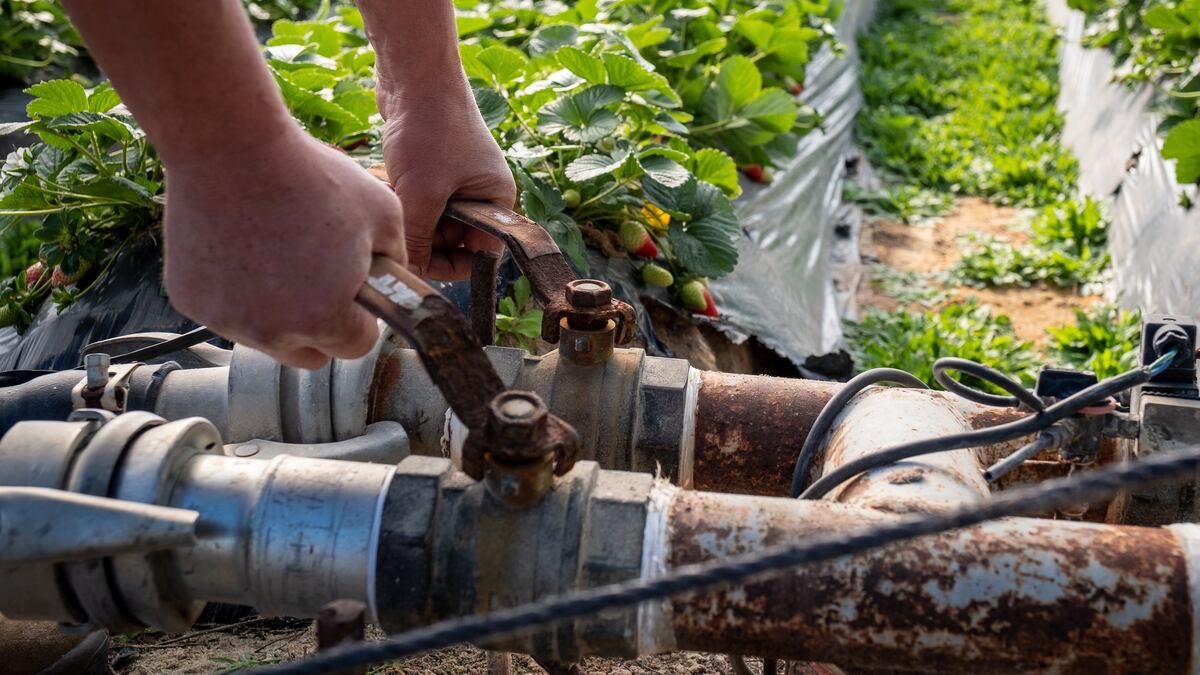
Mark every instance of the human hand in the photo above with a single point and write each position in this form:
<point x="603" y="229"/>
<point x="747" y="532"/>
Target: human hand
<point x="435" y="150"/>
<point x="268" y="246"/>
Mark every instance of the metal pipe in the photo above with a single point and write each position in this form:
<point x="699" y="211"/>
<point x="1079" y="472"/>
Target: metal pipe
<point x="880" y="417"/>
<point x="1013" y="595"/>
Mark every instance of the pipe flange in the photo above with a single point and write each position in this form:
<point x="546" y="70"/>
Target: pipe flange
<point x="305" y="404"/>
<point x="253" y="395"/>
<point x="92" y="474"/>
<point x="148" y="470"/>
<point x="39" y="454"/>
<point x="351" y="389"/>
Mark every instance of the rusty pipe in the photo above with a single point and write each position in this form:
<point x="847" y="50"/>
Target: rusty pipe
<point x="1015" y="595"/>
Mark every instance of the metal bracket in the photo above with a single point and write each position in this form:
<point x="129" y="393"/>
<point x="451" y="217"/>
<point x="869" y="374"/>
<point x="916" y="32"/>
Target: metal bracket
<point x="105" y="385"/>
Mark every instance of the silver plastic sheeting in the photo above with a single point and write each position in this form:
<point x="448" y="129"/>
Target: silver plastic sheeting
<point x="782" y="290"/>
<point x="1112" y="130"/>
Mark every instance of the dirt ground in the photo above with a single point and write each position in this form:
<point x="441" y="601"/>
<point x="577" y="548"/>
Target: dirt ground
<point x="259" y="642"/>
<point x="920" y="252"/>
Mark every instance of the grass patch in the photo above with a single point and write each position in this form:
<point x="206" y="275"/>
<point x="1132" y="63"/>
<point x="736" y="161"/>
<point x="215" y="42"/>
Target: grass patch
<point x="960" y="97"/>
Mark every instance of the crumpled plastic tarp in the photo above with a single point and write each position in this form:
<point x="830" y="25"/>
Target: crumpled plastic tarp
<point x="1112" y="129"/>
<point x="782" y="290"/>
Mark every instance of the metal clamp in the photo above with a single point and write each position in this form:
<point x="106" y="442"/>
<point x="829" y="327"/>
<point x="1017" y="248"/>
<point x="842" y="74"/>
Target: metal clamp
<point x="540" y="259"/>
<point x="460" y="368"/>
<point x="105" y="384"/>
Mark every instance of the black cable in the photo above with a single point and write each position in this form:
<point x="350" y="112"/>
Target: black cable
<point x="170" y="346"/>
<point x="1086" y="487"/>
<point x="997" y="434"/>
<point x="1020" y="394"/>
<point x="831" y="410"/>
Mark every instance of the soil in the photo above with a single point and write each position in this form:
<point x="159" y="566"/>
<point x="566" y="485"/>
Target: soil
<point x="930" y="249"/>
<point x="257" y="642"/>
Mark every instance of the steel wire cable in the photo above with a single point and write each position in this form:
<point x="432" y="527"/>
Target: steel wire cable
<point x="997" y="434"/>
<point x="1091" y="486"/>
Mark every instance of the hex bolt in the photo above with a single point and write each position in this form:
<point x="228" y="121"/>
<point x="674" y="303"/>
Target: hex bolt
<point x="97" y="370"/>
<point x="589" y="293"/>
<point x="516" y="419"/>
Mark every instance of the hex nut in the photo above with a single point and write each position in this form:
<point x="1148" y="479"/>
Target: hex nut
<point x="613" y="553"/>
<point x="587" y="293"/>
<point x="664" y="387"/>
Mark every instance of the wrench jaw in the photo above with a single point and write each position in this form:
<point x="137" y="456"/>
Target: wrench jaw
<point x="512" y="439"/>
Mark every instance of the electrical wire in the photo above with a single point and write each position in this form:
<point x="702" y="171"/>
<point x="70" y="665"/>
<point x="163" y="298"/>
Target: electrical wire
<point x="1092" y="486"/>
<point x="1053" y="437"/>
<point x="170" y="346"/>
<point x="997" y="434"/>
<point x="941" y="373"/>
<point x="833" y="407"/>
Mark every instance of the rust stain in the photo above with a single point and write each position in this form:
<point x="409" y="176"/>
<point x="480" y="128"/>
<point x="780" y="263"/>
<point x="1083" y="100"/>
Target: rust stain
<point x="383" y="384"/>
<point x="749" y="429"/>
<point x="1015" y="595"/>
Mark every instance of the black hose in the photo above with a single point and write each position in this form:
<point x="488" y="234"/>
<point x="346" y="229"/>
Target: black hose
<point x="833" y="407"/>
<point x="170" y="346"/>
<point x="997" y="434"/>
<point x="1020" y="394"/>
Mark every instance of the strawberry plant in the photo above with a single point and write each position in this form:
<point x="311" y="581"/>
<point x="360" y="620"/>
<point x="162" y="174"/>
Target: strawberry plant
<point x="1104" y="340"/>
<point x="913" y="341"/>
<point x="517" y="321"/>
<point x="35" y="36"/>
<point x="324" y="68"/>
<point x="1067" y="248"/>
<point x="1157" y="41"/>
<point x="85" y="192"/>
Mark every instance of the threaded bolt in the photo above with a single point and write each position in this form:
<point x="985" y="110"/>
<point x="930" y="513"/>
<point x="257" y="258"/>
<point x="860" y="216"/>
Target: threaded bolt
<point x="97" y="370"/>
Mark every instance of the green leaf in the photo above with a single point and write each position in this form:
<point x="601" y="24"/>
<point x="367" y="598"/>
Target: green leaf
<point x="504" y="64"/>
<point x="492" y="105"/>
<point x="7" y="128"/>
<point x="522" y="291"/>
<point x="56" y="98"/>
<point x="117" y="188"/>
<point x="690" y="57"/>
<point x="103" y="98"/>
<point x="759" y="33"/>
<point x="705" y="246"/>
<point x="593" y="166"/>
<point x="105" y="125"/>
<point x="548" y="39"/>
<point x="631" y="76"/>
<point x="468" y="23"/>
<point x="582" y="117"/>
<point x="582" y="64"/>
<point x="1163" y="18"/>
<point x="774" y="109"/>
<point x="716" y="167"/>
<point x="1183" y="145"/>
<point x="508" y="308"/>
<point x="739" y="79"/>
<point x="530" y="324"/>
<point x="664" y="170"/>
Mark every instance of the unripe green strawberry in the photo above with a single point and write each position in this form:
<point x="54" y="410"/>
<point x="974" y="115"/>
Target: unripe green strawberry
<point x="656" y="276"/>
<point x="637" y="240"/>
<point x="571" y="197"/>
<point x="692" y="295"/>
<point x="8" y="316"/>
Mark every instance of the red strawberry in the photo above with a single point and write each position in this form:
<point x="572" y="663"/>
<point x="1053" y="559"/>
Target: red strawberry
<point x="60" y="278"/>
<point x="796" y="88"/>
<point x="754" y="172"/>
<point x="637" y="240"/>
<point x="34" y="273"/>
<point x="696" y="298"/>
<point x="710" y="307"/>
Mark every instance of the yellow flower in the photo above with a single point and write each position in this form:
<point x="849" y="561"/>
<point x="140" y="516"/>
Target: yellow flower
<point x="655" y="217"/>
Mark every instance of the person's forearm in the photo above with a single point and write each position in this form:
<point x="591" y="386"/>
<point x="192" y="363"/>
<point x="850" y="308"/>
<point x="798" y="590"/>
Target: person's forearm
<point x="416" y="52"/>
<point x="191" y="72"/>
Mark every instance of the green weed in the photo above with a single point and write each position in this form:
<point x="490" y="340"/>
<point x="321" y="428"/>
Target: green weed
<point x="1104" y="340"/>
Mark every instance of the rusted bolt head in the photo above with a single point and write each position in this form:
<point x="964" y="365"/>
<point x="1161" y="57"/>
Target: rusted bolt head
<point x="515" y="419"/>
<point x="589" y="293"/>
